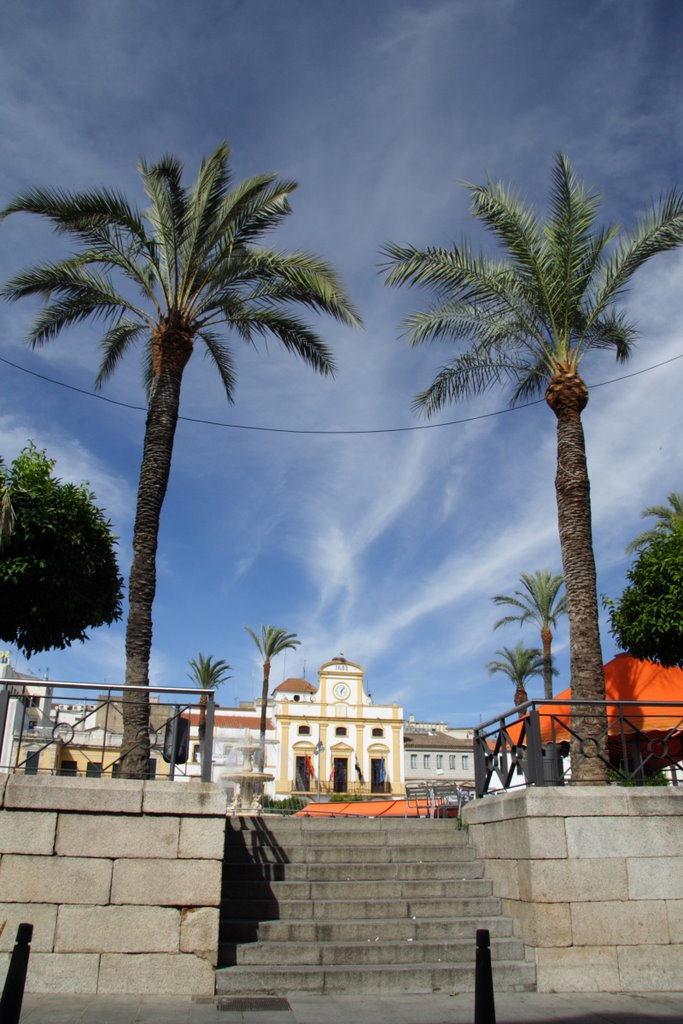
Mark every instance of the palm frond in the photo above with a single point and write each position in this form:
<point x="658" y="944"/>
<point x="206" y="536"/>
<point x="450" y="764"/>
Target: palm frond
<point x="115" y="344"/>
<point x="219" y="352"/>
<point x="79" y="213"/>
<point x="293" y="334"/>
<point x="659" y="232"/>
<point x="163" y="185"/>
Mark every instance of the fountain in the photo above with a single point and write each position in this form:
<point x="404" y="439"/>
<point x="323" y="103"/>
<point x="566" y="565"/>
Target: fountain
<point x="248" y="780"/>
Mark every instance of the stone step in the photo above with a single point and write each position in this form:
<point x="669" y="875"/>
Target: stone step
<point x="352" y="889"/>
<point x="251" y="980"/>
<point x="440" y="929"/>
<point x="372" y="951"/>
<point x="377" y="837"/>
<point x="273" y="823"/>
<point x="358" y="909"/>
<point x="314" y="872"/>
<point x="349" y="854"/>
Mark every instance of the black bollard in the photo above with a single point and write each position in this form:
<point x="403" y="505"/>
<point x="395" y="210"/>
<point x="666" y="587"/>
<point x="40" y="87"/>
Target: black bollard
<point x="484" y="1006"/>
<point x="13" y="992"/>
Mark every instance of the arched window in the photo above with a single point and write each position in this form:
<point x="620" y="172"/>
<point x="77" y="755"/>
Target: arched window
<point x="304" y="730"/>
<point x="341" y="730"/>
<point x="378" y="732"/>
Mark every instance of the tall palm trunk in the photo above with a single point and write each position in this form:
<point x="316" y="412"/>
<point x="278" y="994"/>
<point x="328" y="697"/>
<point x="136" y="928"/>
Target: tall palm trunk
<point x="170" y="353"/>
<point x="521" y="696"/>
<point x="264" y="708"/>
<point x="567" y="396"/>
<point x="547" y="640"/>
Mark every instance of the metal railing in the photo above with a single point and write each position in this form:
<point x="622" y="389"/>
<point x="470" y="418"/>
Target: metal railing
<point x="60" y="728"/>
<point x="327" y="788"/>
<point x="641" y="744"/>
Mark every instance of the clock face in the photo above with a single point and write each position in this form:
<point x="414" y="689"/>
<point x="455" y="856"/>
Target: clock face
<point x="341" y="691"/>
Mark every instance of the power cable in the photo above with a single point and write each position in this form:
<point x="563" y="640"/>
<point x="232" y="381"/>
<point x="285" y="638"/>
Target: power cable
<point x="290" y="430"/>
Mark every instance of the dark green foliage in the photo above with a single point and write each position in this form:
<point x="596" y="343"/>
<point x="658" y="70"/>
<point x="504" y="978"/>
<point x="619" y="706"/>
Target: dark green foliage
<point x="286" y="805"/>
<point x="647" y="620"/>
<point x="58" y="571"/>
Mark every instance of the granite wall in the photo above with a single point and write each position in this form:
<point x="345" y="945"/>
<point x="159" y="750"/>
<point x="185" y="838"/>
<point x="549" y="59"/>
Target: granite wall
<point x="593" y="877"/>
<point x="120" y="879"/>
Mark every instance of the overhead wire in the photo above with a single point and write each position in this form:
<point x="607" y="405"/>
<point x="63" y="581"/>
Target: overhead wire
<point x="292" y="430"/>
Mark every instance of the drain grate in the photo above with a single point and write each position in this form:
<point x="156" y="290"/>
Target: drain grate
<point x="242" y="1004"/>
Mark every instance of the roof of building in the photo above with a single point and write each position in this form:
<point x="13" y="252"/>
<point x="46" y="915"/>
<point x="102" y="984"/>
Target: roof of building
<point x="226" y="721"/>
<point x="433" y="741"/>
<point x="295" y="686"/>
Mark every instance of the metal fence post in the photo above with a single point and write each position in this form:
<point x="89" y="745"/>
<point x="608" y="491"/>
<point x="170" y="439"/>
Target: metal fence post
<point x="207" y="742"/>
<point x="535" y="770"/>
<point x="13" y="991"/>
<point x="484" y="1004"/>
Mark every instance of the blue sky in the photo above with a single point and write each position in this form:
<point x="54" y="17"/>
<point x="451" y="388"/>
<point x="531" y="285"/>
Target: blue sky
<point x="386" y="547"/>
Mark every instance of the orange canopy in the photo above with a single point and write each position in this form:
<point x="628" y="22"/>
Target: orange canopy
<point x="365" y="809"/>
<point x="627" y="679"/>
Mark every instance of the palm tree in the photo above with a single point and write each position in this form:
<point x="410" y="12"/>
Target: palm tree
<point x="270" y="643"/>
<point x="519" y="664"/>
<point x="189" y="269"/>
<point x="539" y="601"/>
<point x="668" y="516"/>
<point x="528" y="320"/>
<point x="208" y="674"/>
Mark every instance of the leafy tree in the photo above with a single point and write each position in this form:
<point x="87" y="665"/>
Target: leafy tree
<point x="177" y="278"/>
<point x="58" y="571"/>
<point x="647" y="620"/>
<point x="519" y="664"/>
<point x="528" y="320"/>
<point x="667" y="515"/>
<point x="270" y="643"/>
<point x="540" y="602"/>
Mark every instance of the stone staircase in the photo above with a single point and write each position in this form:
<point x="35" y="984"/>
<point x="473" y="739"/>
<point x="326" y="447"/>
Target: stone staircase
<point x="357" y="905"/>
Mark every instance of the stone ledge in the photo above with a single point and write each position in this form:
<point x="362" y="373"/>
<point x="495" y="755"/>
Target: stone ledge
<point x="42" y="916"/>
<point x="31" y="832"/>
<point x="63" y="972"/>
<point x="165" y="883"/>
<point x="33" y="792"/>
<point x="578" y="969"/>
<point x="113" y="836"/>
<point x="181" y="974"/>
<point x="116" y="929"/>
<point x="650" y="968"/>
<point x="25" y="879"/>
<point x="192" y="798"/>
<point x="202" y="838"/>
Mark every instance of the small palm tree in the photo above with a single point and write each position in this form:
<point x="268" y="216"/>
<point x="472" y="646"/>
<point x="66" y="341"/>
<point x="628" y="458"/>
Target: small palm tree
<point x="539" y="601"/>
<point x="178" y="277"/>
<point x="519" y="664"/>
<point x="270" y="643"/>
<point x="668" y="516"/>
<point x="208" y="674"/>
<point x="528" y="320"/>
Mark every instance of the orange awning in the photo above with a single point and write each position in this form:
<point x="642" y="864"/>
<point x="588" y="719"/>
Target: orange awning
<point x="365" y="809"/>
<point x="626" y="679"/>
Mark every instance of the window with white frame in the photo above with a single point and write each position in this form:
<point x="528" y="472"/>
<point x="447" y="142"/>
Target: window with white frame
<point x="465" y="762"/>
<point x="426" y="761"/>
<point x="451" y="762"/>
<point x="413" y="760"/>
<point x="439" y="760"/>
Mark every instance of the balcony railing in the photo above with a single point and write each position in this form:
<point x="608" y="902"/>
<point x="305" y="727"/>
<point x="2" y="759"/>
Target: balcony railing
<point x="327" y="788"/>
<point x="641" y="744"/>
<point x="87" y="741"/>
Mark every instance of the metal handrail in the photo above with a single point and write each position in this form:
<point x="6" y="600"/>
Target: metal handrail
<point x="510" y="751"/>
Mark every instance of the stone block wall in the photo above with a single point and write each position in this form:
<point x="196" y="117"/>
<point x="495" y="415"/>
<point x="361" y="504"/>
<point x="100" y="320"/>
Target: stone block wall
<point x="120" y="879"/>
<point x="593" y="878"/>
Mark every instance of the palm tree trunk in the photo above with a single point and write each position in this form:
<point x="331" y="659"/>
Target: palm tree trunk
<point x="567" y="396"/>
<point x="521" y="696"/>
<point x="262" y="723"/>
<point x="546" y="640"/>
<point x="162" y="419"/>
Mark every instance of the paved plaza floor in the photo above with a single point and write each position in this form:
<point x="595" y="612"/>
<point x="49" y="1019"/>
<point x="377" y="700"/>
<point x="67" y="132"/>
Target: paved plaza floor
<point x="309" y="1008"/>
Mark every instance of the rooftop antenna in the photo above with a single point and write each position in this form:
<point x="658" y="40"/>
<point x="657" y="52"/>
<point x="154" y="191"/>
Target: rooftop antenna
<point x="304" y="671"/>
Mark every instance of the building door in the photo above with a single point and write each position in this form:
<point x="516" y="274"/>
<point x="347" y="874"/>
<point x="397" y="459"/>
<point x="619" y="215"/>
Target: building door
<point x="303" y="775"/>
<point x="340" y="774"/>
<point x="378" y="775"/>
